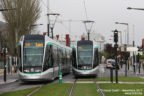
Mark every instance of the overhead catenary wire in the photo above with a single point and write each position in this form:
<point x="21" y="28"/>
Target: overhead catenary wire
<point x="85" y="10"/>
<point x="45" y="5"/>
<point x="69" y="21"/>
<point x="88" y="23"/>
<point x="67" y="27"/>
<point x="48" y="10"/>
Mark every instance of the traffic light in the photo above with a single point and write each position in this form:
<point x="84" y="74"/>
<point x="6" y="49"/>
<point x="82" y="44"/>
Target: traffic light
<point x="115" y="35"/>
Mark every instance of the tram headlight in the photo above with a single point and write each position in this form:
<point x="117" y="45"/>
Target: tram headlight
<point x="37" y="70"/>
<point x="26" y="71"/>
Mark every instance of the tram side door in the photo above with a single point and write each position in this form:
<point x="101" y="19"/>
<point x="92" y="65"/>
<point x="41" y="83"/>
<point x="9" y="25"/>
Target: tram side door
<point x="52" y="60"/>
<point x="55" y="65"/>
<point x="58" y="60"/>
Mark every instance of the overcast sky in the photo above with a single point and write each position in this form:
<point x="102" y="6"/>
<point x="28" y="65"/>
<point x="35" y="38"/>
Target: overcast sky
<point x="104" y="12"/>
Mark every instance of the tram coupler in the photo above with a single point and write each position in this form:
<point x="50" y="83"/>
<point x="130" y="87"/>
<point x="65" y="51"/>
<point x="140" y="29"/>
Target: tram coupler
<point x="60" y="77"/>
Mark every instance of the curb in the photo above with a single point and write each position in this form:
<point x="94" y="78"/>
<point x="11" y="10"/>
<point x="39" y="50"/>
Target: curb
<point x="8" y="82"/>
<point x="102" y="82"/>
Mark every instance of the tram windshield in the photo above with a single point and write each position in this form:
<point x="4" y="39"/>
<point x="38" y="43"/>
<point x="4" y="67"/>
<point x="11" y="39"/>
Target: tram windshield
<point x="33" y="53"/>
<point x="85" y="54"/>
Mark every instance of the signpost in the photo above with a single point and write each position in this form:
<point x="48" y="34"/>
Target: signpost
<point x="134" y="50"/>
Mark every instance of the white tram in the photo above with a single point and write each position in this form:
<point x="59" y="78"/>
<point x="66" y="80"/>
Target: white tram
<point x="85" y="58"/>
<point x="42" y="58"/>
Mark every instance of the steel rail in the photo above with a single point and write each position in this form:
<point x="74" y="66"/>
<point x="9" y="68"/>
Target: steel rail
<point x="72" y="88"/>
<point x="35" y="90"/>
<point x="99" y="89"/>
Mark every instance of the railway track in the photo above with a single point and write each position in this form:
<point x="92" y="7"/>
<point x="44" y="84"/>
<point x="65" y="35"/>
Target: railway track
<point x="35" y="90"/>
<point x="97" y="87"/>
<point x="72" y="88"/>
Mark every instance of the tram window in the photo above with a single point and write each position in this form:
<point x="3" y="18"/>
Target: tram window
<point x="68" y="57"/>
<point x="48" y="58"/>
<point x="96" y="58"/>
<point x="62" y="58"/>
<point x="19" y="58"/>
<point x="51" y="56"/>
<point x="55" y="55"/>
<point x="61" y="55"/>
<point x="45" y="67"/>
<point x="74" y="58"/>
<point x="58" y="56"/>
<point x="65" y="57"/>
<point x="85" y="54"/>
<point x="33" y="55"/>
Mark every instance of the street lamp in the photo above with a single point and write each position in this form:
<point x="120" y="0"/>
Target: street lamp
<point x="31" y="26"/>
<point x="135" y="8"/>
<point x="36" y="24"/>
<point x="88" y="26"/>
<point x="7" y="9"/>
<point x="120" y="37"/>
<point x="51" y="25"/>
<point x="133" y="36"/>
<point x="129" y="8"/>
<point x="127" y="30"/>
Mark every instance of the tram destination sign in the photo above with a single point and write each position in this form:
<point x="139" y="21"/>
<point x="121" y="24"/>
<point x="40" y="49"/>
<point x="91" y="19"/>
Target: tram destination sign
<point x="36" y="44"/>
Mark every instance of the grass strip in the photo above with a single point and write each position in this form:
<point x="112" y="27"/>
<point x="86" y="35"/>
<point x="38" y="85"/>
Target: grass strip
<point x="123" y="89"/>
<point x="121" y="78"/>
<point x="85" y="90"/>
<point x="86" y="79"/>
<point x="18" y="93"/>
<point x="54" y="90"/>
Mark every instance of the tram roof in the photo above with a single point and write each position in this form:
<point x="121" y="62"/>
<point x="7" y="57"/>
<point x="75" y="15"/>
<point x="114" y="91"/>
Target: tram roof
<point x="42" y="37"/>
<point x="34" y="37"/>
<point x="86" y="42"/>
<point x="49" y="40"/>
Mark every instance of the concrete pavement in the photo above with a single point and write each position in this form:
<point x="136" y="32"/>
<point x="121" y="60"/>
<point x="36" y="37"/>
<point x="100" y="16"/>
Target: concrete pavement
<point x="131" y="72"/>
<point x="9" y="78"/>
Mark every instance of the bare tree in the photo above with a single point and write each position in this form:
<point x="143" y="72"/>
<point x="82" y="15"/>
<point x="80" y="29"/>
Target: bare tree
<point x="24" y="14"/>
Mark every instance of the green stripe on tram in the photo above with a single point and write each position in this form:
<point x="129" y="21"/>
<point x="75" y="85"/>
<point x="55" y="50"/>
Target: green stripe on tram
<point x="96" y="47"/>
<point x="86" y="70"/>
<point x="73" y="47"/>
<point x="50" y="43"/>
<point x="19" y="43"/>
<point x="32" y="73"/>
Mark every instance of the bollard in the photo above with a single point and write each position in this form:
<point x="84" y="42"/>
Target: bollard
<point x="60" y="77"/>
<point x="126" y="69"/>
<point x="111" y="75"/>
